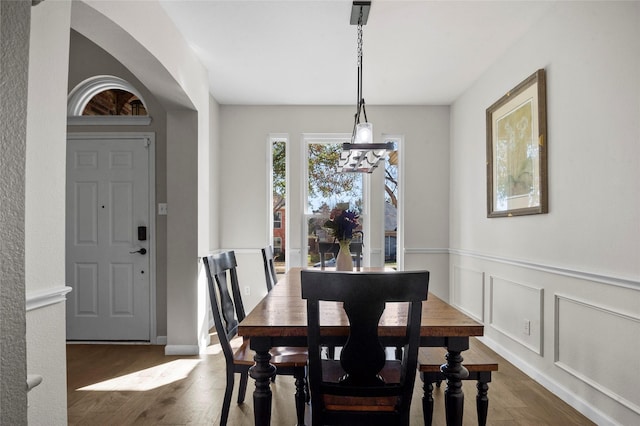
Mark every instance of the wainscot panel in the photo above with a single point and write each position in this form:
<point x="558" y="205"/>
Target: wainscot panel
<point x="467" y="291"/>
<point x="580" y="328"/>
<point x="516" y="311"/>
<point x="589" y="326"/>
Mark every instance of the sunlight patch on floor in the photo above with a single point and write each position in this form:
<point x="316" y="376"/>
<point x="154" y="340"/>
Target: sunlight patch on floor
<point x="214" y="349"/>
<point x="147" y="379"/>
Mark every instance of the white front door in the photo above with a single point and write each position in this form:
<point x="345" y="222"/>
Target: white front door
<point x="107" y="251"/>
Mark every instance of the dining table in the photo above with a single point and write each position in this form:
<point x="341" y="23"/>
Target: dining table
<point x="280" y="319"/>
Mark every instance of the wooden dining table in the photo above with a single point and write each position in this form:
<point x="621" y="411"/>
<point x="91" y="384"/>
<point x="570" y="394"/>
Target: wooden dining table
<point x="280" y="319"/>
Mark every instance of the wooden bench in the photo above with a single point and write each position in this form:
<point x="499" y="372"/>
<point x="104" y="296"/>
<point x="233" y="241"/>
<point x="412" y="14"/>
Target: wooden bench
<point x="479" y="364"/>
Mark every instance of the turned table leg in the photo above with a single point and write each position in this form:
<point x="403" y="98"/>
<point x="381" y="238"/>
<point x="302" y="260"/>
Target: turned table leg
<point x="455" y="372"/>
<point x="262" y="372"/>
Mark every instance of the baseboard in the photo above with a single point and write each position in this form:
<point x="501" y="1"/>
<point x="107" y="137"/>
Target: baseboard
<point x="161" y="340"/>
<point x="181" y="350"/>
<point x="585" y="408"/>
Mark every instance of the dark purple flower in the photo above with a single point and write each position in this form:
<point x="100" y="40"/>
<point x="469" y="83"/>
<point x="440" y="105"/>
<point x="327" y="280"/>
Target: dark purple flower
<point x="342" y="224"/>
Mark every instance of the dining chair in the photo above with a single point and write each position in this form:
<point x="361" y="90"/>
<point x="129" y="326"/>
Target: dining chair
<point x="363" y="387"/>
<point x="228" y="312"/>
<point x="325" y="247"/>
<point x="269" y="267"/>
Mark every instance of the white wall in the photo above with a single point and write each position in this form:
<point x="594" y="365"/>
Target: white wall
<point x="214" y="173"/>
<point x="14" y="40"/>
<point x="244" y="188"/>
<point x="574" y="273"/>
<point x="45" y="210"/>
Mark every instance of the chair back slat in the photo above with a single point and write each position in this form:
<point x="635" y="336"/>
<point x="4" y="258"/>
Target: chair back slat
<point x="362" y="359"/>
<point x="269" y="267"/>
<point x="221" y="274"/>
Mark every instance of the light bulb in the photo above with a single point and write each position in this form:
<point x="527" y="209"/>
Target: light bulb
<point x="364" y="133"/>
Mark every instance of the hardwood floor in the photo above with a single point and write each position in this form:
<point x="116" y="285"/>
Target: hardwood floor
<point x="139" y="385"/>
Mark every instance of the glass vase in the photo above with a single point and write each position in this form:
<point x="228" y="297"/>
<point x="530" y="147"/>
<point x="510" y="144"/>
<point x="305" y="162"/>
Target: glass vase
<point x="344" y="261"/>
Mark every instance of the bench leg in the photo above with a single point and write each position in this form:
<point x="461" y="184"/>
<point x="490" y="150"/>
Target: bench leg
<point x="482" y="402"/>
<point x="399" y="353"/>
<point x="427" y="400"/>
<point x="301" y="395"/>
<point x="331" y="352"/>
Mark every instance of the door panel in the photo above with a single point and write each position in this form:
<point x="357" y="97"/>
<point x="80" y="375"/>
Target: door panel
<point x="107" y="199"/>
<point x="86" y="278"/>
<point x="86" y="206"/>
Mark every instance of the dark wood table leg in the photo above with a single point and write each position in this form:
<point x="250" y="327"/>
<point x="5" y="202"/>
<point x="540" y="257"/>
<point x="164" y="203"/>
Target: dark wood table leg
<point x="455" y="372"/>
<point x="262" y="372"/>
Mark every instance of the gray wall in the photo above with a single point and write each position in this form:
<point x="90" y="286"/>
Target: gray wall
<point x="574" y="273"/>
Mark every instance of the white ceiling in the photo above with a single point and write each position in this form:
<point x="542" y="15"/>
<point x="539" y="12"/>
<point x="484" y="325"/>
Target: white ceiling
<point x="303" y="52"/>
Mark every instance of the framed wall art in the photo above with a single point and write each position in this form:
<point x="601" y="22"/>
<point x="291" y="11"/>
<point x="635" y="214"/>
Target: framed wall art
<point x="517" y="150"/>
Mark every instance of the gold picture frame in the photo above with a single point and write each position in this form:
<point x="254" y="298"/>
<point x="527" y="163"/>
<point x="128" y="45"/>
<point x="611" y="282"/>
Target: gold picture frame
<point x="517" y="150"/>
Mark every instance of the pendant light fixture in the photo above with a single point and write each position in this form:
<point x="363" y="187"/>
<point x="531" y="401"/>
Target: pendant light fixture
<point x="361" y="155"/>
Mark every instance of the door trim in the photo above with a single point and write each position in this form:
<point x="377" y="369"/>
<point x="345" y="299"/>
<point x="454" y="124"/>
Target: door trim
<point x="151" y="139"/>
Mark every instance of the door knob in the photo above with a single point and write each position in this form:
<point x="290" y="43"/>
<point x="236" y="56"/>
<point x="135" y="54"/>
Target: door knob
<point x="141" y="251"/>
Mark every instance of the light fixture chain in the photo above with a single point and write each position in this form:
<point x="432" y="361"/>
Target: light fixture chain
<point x="360" y="43"/>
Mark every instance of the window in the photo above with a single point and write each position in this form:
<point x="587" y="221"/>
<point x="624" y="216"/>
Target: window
<point x="106" y="99"/>
<point x="326" y="188"/>
<point x="278" y="199"/>
<point x="114" y="102"/>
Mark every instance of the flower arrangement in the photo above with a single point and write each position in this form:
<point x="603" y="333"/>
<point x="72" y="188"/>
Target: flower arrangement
<point x="342" y="224"/>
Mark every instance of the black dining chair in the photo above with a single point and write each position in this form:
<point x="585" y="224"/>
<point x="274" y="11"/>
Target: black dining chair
<point x="269" y="267"/>
<point x="325" y="248"/>
<point x="228" y="312"/>
<point x="363" y="387"/>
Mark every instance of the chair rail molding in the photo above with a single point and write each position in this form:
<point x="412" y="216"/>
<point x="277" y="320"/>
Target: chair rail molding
<point x="426" y="250"/>
<point x="574" y="273"/>
<point x="50" y="296"/>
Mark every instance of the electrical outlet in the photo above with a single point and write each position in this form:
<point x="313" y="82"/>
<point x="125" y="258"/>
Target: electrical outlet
<point x="526" y="329"/>
<point x="247" y="291"/>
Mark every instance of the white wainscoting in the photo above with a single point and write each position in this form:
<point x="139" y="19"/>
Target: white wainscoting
<point x="584" y="328"/>
<point x="467" y="291"/>
<point x="516" y="311"/>
<point x="434" y="260"/>
<point x="580" y="328"/>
